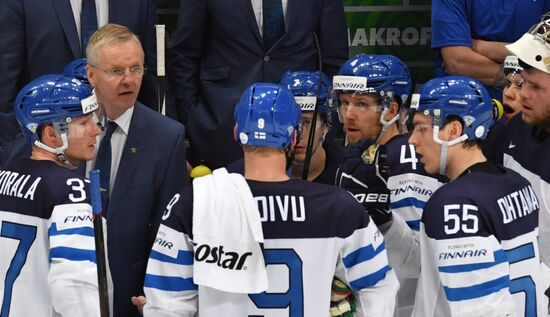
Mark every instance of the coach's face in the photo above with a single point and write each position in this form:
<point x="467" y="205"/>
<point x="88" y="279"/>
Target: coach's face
<point x="535" y="98"/>
<point x="117" y="76"/>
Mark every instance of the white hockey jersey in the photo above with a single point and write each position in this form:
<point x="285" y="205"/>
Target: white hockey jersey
<point x="47" y="259"/>
<point x="328" y="234"/>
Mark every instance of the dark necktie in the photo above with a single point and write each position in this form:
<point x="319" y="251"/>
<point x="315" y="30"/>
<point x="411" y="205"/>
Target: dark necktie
<point x="103" y="164"/>
<point x="274" y="22"/>
<point x="88" y="23"/>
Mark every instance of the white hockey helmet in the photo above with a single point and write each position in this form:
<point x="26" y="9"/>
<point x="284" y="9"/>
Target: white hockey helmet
<point x="533" y="48"/>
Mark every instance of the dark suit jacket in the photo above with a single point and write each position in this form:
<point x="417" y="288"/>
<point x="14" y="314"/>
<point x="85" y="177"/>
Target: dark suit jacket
<point x="151" y="169"/>
<point x="218" y="52"/>
<point x="39" y="37"/>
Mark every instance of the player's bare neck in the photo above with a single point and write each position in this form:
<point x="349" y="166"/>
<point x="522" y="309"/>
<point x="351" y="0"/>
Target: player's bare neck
<point x="390" y="133"/>
<point x="462" y="159"/>
<point x="316" y="166"/>
<point x="265" y="167"/>
<point x="39" y="154"/>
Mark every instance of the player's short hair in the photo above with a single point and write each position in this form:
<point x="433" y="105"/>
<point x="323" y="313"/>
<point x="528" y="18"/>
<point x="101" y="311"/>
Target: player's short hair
<point x="109" y="34"/>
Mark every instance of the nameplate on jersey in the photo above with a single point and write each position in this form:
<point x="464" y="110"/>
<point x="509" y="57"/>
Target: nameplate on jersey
<point x="349" y="83"/>
<point x="71" y="216"/>
<point x="306" y="103"/>
<point x="167" y="241"/>
<point x="462" y="251"/>
<point x="89" y="104"/>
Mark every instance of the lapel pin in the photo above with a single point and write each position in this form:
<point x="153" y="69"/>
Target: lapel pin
<point x="133" y="150"/>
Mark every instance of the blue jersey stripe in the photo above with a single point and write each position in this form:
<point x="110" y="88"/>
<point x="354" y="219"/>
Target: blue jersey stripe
<point x="476" y="291"/>
<point x="361" y="255"/>
<point x="500" y="257"/>
<point x="369" y="280"/>
<point x="82" y="231"/>
<point x="184" y="257"/>
<point x="520" y="253"/>
<point x="72" y="254"/>
<point x="408" y="202"/>
<point x="169" y="283"/>
<point x="414" y="224"/>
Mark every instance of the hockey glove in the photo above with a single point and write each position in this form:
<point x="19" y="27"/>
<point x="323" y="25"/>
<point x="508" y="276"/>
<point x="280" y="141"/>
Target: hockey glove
<point x="365" y="174"/>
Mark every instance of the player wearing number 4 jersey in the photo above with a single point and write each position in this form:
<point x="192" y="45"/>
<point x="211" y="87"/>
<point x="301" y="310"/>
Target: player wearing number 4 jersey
<point x="311" y="232"/>
<point x="478" y="245"/>
<point x="47" y="257"/>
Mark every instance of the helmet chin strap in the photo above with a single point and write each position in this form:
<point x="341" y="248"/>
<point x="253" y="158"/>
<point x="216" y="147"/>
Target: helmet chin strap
<point x="444" y="148"/>
<point x="385" y="124"/>
<point x="58" y="151"/>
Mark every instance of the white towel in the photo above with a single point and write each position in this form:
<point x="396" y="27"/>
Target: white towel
<point x="227" y="232"/>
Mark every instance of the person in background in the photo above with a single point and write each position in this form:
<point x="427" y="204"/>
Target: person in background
<point x="220" y="47"/>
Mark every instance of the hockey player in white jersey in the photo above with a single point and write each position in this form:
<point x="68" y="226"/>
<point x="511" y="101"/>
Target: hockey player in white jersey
<point x="311" y="233"/>
<point x="527" y="141"/>
<point x="371" y="92"/>
<point x="47" y="258"/>
<point x="479" y="250"/>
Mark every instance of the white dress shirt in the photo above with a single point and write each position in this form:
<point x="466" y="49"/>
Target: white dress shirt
<point x="102" y="9"/>
<point x="118" y="141"/>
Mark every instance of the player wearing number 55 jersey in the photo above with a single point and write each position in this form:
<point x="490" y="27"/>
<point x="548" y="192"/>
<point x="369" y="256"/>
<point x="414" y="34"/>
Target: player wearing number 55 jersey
<point x="47" y="257"/>
<point x="312" y="232"/>
<point x="478" y="245"/>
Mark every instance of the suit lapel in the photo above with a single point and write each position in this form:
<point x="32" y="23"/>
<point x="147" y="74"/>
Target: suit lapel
<point x="65" y="15"/>
<point x="250" y="18"/>
<point x="129" y="160"/>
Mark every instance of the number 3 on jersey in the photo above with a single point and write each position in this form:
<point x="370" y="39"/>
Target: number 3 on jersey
<point x="293" y="298"/>
<point x="26" y="235"/>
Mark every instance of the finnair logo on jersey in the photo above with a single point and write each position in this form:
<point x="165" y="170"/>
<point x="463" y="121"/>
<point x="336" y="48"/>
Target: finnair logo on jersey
<point x="223" y="259"/>
<point x="518" y="204"/>
<point x="349" y="83"/>
<point x="461" y="251"/>
<point x="79" y="218"/>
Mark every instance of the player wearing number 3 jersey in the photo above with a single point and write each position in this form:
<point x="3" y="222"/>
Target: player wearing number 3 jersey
<point x="478" y="235"/>
<point x="312" y="232"/>
<point x="47" y="257"/>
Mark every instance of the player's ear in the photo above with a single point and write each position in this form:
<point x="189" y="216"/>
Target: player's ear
<point x="393" y="111"/>
<point x="294" y="140"/>
<point x="50" y="137"/>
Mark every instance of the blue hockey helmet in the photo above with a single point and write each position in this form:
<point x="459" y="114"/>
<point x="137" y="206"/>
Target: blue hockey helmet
<point x="304" y="85"/>
<point x="77" y="69"/>
<point x="458" y="96"/>
<point x="384" y="75"/>
<point x="52" y="99"/>
<point x="267" y="116"/>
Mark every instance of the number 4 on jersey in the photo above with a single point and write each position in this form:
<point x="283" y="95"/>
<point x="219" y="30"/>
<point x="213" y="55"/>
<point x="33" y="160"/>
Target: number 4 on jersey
<point x="403" y="159"/>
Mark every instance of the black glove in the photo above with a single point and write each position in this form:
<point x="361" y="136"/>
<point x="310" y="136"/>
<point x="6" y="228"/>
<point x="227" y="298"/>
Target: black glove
<point x="364" y="173"/>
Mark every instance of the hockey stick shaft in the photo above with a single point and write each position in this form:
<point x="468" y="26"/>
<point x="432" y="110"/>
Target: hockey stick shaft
<point x="160" y="32"/>
<point x="311" y="137"/>
<point x="99" y="244"/>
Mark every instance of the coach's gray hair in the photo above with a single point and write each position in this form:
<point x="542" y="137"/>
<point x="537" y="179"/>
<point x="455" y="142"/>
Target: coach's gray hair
<point x="109" y="34"/>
